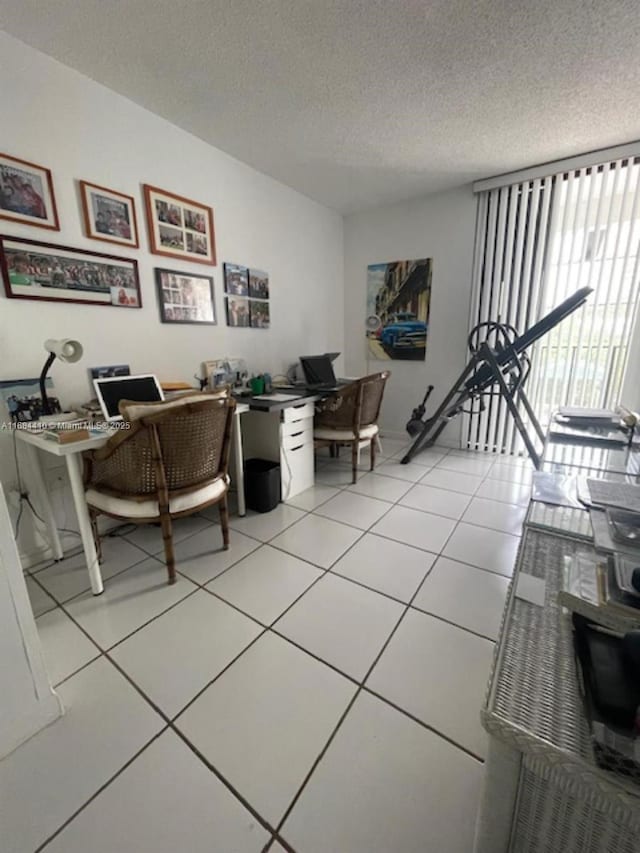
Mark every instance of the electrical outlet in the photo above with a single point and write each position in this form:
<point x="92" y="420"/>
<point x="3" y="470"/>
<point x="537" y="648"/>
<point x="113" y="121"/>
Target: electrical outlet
<point x="56" y="479"/>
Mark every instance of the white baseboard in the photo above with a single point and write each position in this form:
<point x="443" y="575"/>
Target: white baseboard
<point x="397" y="435"/>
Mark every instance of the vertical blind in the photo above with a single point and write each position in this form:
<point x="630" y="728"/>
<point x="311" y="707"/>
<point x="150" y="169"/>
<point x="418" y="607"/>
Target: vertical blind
<point x="537" y="242"/>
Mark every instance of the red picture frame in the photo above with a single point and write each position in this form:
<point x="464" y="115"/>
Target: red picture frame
<point x="26" y="193"/>
<point x="119" y="223"/>
<point x="49" y="273"/>
<point x="179" y="227"/>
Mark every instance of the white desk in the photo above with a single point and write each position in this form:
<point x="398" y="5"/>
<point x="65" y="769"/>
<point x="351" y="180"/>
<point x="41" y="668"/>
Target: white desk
<point x="33" y="442"/>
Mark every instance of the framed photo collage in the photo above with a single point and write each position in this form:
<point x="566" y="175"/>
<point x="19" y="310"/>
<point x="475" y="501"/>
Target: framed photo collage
<point x="178" y="228"/>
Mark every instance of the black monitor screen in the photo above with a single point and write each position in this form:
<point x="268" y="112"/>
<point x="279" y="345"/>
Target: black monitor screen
<point x="142" y="389"/>
<point x="318" y="369"/>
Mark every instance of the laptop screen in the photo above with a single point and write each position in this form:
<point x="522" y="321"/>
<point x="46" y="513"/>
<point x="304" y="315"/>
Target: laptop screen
<point x="142" y="389"/>
<point x="318" y="370"/>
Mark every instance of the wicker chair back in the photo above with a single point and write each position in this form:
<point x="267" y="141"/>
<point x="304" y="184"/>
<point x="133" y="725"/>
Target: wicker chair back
<point x="354" y="406"/>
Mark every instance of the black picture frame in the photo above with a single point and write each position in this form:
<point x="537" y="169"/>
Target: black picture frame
<point x="186" y="297"/>
<point x="236" y="280"/>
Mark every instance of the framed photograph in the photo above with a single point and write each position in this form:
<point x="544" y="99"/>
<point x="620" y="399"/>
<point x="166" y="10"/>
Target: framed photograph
<point x="259" y="311"/>
<point x="236" y="280"/>
<point x="185" y="298"/>
<point x="34" y="270"/>
<point x="26" y="193"/>
<point x="108" y="215"/>
<point x="237" y="311"/>
<point x="109" y="370"/>
<point x="179" y="227"/>
<point x="258" y="284"/>
<point x="21" y="400"/>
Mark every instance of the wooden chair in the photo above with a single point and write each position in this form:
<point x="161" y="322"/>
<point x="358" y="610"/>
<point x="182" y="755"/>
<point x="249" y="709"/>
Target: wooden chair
<point x="171" y="462"/>
<point x="350" y="417"/>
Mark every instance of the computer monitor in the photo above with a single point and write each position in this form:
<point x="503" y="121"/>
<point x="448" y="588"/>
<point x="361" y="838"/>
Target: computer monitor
<point x="318" y="370"/>
<point x="143" y="389"/>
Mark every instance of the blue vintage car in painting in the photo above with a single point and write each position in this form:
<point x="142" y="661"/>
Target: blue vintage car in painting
<point x="406" y="334"/>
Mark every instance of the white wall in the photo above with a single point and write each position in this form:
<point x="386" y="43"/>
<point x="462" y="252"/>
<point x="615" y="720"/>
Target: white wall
<point x="440" y="226"/>
<point x="60" y="119"/>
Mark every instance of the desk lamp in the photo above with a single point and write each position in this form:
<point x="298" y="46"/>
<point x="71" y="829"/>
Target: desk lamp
<point x="64" y="349"/>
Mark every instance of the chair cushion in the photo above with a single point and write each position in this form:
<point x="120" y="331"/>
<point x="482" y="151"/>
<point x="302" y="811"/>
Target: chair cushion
<point x="328" y="434"/>
<point x="126" y="508"/>
<point x="132" y="411"/>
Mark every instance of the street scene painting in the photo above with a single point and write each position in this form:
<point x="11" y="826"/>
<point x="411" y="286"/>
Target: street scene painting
<point x="398" y="301"/>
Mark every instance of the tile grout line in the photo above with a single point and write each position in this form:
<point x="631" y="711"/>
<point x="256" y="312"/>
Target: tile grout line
<point x="424" y="725"/>
<point x="415" y="607"/>
<point x="360" y="688"/>
<point x="169" y="724"/>
<point x="88" y="588"/>
<point x="75" y="814"/>
<point x="244" y="613"/>
<point x="266" y="627"/>
<point x="79" y="551"/>
<point x="148" y="556"/>
<point x="63" y="607"/>
<point x="274" y="833"/>
<point x="266" y="630"/>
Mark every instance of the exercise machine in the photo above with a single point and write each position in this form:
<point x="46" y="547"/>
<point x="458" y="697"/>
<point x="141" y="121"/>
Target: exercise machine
<point x="499" y="366"/>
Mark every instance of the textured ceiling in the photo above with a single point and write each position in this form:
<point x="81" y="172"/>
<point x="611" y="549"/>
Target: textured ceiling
<point x="362" y="102"/>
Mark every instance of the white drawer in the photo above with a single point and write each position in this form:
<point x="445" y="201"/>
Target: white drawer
<point x="292" y="427"/>
<point x="298" y="437"/>
<point x="296" y="470"/>
<point x="298" y="413"/>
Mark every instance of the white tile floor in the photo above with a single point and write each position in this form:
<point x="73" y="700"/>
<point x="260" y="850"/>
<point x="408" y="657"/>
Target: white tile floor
<point x="315" y="688"/>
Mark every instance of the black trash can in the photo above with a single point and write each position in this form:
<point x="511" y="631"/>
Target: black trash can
<point x="261" y="484"/>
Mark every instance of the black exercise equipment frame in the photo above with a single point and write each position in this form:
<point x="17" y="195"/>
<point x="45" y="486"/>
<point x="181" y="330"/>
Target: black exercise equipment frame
<point x="505" y="367"/>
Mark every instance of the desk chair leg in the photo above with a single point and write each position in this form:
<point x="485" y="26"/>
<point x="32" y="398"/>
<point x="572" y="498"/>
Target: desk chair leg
<point x="373" y="446"/>
<point x="167" y="538"/>
<point x="224" y="522"/>
<point x="355" y="455"/>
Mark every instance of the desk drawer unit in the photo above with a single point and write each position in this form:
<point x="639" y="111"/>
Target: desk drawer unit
<point x="298" y="413"/>
<point x="296" y="450"/>
<point x="301" y="435"/>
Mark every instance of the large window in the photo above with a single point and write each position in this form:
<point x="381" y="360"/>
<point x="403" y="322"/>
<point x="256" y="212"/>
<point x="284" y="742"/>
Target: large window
<point x="537" y="242"/>
<point x="593" y="241"/>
